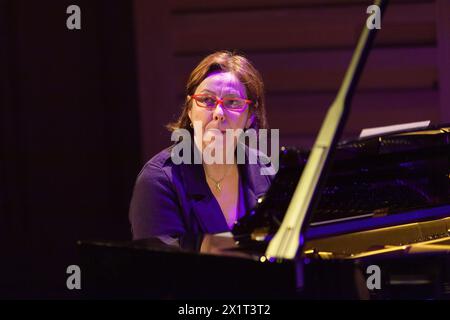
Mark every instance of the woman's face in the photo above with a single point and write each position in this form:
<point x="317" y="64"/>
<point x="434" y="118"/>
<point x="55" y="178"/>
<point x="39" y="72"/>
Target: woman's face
<point x="221" y="85"/>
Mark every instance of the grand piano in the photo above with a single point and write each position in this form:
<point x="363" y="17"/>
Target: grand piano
<point x="386" y="202"/>
<point x="376" y="226"/>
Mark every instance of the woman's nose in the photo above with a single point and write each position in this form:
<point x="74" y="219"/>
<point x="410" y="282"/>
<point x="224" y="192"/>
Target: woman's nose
<point x="218" y="112"/>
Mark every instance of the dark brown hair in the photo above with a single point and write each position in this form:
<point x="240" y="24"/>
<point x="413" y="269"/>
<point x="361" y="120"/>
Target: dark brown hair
<point x="246" y="73"/>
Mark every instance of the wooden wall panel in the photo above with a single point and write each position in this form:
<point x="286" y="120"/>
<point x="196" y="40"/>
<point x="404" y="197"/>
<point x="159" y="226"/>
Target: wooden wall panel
<point x="303" y="114"/>
<point x="443" y="48"/>
<point x="155" y="61"/>
<point x="203" y="5"/>
<point x="388" y="68"/>
<point x="303" y="47"/>
<point x="333" y="27"/>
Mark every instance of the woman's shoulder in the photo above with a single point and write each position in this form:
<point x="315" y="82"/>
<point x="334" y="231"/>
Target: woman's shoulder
<point x="158" y="165"/>
<point x="161" y="159"/>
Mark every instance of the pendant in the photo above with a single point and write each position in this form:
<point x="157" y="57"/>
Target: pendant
<point x="218" y="186"/>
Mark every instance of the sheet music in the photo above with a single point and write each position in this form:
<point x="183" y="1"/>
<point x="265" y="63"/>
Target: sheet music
<point x="369" y="132"/>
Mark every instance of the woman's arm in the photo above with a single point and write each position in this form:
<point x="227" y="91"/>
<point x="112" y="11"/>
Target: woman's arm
<point x="154" y="209"/>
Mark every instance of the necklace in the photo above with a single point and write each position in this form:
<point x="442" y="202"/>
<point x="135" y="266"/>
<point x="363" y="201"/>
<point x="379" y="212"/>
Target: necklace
<point x="217" y="182"/>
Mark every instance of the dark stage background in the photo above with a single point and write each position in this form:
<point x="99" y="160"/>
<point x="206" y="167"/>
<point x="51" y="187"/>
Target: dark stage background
<point x="70" y="133"/>
<point x="83" y="110"/>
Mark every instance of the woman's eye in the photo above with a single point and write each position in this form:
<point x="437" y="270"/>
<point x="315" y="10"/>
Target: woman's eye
<point x="234" y="103"/>
<point x="209" y="101"/>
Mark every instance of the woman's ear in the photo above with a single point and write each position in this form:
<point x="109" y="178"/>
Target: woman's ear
<point x="189" y="109"/>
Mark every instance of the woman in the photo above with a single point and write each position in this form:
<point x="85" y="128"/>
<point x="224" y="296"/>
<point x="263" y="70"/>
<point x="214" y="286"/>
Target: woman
<point x="179" y="203"/>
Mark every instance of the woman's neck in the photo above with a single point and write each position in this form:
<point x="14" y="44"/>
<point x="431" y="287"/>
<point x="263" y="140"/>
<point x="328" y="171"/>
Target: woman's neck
<point x="219" y="171"/>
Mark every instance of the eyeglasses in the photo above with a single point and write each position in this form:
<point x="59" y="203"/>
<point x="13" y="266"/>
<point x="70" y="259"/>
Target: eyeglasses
<point x="211" y="102"/>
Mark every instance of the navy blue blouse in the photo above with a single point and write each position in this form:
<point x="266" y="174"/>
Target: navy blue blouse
<point x="175" y="200"/>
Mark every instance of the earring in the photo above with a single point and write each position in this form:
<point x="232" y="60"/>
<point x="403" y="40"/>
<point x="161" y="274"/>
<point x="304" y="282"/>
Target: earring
<point x="191" y="125"/>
